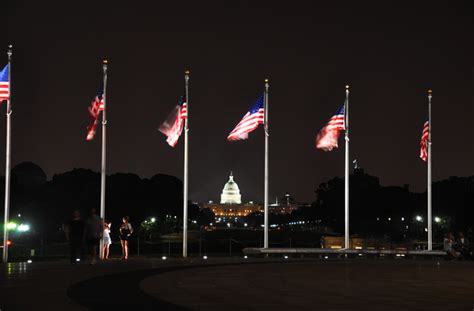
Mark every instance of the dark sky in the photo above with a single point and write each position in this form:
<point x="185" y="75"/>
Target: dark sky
<point x="390" y="53"/>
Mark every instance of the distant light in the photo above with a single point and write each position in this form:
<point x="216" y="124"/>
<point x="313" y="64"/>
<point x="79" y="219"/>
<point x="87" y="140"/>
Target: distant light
<point x="11" y="226"/>
<point x="326" y="257"/>
<point x="286" y="256"/>
<point x="437" y="219"/>
<point x="164" y="257"/>
<point x="78" y="259"/>
<point x="426" y="229"/>
<point x="19" y="215"/>
<point x="403" y="218"/>
<point x="378" y="218"/>
<point x="153" y="219"/>
<point x="228" y="224"/>
<point x="245" y="225"/>
<point x="419" y="218"/>
<point x="23" y="228"/>
<point x="29" y="261"/>
<point x="245" y="257"/>
<point x="204" y="257"/>
<point x="389" y="219"/>
<point x="211" y="224"/>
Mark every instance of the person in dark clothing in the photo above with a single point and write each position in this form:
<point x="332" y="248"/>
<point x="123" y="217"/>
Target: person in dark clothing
<point x="75" y="234"/>
<point x="126" y="231"/>
<point x="94" y="228"/>
<point x="462" y="246"/>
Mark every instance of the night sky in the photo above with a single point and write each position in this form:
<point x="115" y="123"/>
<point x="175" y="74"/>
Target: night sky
<point x="389" y="53"/>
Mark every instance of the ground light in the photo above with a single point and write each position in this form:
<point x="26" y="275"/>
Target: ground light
<point x="204" y="257"/>
<point x="29" y="261"/>
<point x="163" y="258"/>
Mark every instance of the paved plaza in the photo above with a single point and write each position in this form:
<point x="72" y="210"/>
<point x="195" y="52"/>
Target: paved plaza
<point x="240" y="284"/>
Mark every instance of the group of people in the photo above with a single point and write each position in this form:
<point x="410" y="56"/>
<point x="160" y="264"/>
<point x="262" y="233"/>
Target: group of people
<point x="457" y="248"/>
<point x="90" y="232"/>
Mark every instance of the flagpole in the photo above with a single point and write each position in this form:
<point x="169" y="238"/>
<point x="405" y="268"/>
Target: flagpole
<point x="265" y="202"/>
<point x="346" y="180"/>
<point x="185" y="179"/>
<point x="7" y="161"/>
<point x="103" y="165"/>
<point x="430" y="227"/>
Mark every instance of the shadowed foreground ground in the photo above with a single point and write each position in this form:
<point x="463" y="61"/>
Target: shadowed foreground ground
<point x="237" y="284"/>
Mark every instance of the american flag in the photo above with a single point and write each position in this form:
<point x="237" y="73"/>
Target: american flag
<point x="95" y="108"/>
<point x="424" y="141"/>
<point x="4" y="84"/>
<point x="91" y="129"/>
<point x="327" y="137"/>
<point x="97" y="105"/>
<point x="174" y="123"/>
<point x="251" y="120"/>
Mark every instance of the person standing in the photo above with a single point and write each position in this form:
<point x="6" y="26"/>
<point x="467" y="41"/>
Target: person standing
<point x="93" y="233"/>
<point x="126" y="231"/>
<point x="107" y="240"/>
<point x="74" y="234"/>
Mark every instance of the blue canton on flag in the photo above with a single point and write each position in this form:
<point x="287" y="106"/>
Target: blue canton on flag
<point x="251" y="120"/>
<point x="4" y="84"/>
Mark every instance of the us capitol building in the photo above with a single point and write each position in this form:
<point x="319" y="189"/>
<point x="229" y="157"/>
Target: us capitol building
<point x="231" y="203"/>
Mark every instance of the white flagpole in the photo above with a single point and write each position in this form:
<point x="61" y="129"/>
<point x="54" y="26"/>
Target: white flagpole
<point x="430" y="227"/>
<point x="265" y="202"/>
<point x="346" y="180"/>
<point x="8" y="160"/>
<point x="185" y="181"/>
<point x="103" y="165"/>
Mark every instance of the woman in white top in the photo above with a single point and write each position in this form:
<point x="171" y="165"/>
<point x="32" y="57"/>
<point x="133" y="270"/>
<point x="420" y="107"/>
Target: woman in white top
<point x="106" y="239"/>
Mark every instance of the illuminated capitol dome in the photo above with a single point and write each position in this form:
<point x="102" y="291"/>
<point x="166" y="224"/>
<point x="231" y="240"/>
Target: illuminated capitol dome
<point x="231" y="192"/>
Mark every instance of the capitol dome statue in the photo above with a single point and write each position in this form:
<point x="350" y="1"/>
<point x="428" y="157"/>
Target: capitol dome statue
<point x="231" y="192"/>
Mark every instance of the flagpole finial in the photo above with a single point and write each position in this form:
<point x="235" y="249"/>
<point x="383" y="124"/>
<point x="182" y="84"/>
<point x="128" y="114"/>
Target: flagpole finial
<point x="186" y="72"/>
<point x="9" y="51"/>
<point x="430" y="91"/>
<point x="266" y="80"/>
<point x="347" y="86"/>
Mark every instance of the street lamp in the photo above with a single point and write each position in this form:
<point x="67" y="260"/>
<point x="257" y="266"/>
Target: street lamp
<point x="419" y="218"/>
<point x="437" y="219"/>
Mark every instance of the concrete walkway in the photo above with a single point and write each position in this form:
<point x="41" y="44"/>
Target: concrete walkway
<point x="239" y="284"/>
